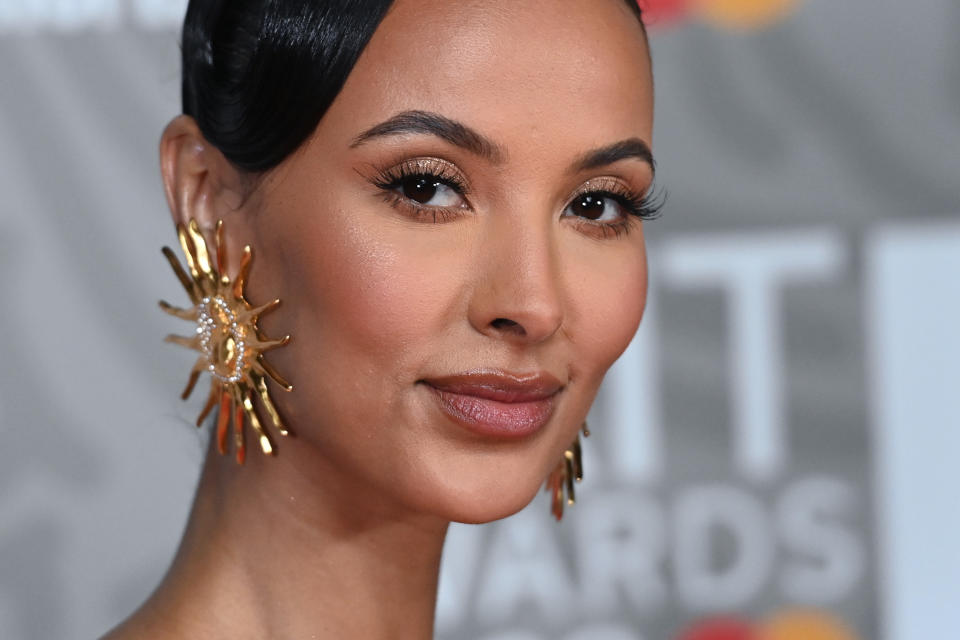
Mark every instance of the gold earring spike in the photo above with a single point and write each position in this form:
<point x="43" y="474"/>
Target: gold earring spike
<point x="230" y="343"/>
<point x="568" y="471"/>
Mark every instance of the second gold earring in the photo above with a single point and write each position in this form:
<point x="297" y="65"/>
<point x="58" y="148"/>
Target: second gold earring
<point x="565" y="475"/>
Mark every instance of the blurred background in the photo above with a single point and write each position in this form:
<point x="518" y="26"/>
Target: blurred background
<point x="774" y="458"/>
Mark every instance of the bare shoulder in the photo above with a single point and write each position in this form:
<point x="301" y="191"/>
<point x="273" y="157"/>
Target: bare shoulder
<point x="141" y="626"/>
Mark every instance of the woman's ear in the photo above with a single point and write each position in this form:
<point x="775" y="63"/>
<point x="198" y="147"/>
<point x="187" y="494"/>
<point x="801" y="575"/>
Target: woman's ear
<point x="199" y="182"/>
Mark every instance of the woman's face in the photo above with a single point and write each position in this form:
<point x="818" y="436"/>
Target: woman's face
<point x="464" y="206"/>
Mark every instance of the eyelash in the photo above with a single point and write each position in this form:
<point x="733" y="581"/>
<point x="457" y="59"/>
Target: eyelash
<point x="389" y="180"/>
<point x="637" y="206"/>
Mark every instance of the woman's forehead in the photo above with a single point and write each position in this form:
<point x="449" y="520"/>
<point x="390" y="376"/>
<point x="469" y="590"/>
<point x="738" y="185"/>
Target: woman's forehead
<point x="569" y="35"/>
<point x="539" y="65"/>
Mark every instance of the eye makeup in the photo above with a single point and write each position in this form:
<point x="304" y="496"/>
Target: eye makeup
<point x="590" y="202"/>
<point x="412" y="184"/>
<point x="431" y="189"/>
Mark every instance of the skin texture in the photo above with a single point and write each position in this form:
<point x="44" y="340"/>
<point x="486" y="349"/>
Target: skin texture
<point x="340" y="535"/>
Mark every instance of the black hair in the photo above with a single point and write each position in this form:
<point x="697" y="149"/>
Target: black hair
<point x="259" y="74"/>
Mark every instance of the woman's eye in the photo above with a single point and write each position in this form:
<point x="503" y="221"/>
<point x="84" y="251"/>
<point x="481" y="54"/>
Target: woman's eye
<point x="596" y="206"/>
<point x="429" y="191"/>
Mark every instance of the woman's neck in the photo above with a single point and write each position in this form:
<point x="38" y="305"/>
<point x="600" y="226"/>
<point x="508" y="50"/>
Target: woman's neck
<point x="270" y="552"/>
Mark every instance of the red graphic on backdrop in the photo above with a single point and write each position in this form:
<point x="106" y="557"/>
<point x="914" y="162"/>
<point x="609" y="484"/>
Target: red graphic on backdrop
<point x="720" y="629"/>
<point x="730" y="14"/>
<point x="663" y="12"/>
<point x="786" y="624"/>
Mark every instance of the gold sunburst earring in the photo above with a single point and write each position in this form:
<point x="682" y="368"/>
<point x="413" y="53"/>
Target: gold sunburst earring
<point x="567" y="472"/>
<point x="230" y="343"/>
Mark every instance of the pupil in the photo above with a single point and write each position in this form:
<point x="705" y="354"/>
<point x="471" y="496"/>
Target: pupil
<point x="420" y="189"/>
<point x="590" y="207"/>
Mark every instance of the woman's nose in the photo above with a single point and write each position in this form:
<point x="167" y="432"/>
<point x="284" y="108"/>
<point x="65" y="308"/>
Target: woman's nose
<point x="518" y="294"/>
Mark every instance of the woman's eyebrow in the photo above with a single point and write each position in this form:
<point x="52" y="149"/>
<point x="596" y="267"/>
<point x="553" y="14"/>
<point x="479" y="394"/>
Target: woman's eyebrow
<point x="629" y="148"/>
<point x="460" y="135"/>
<point x="434" y="124"/>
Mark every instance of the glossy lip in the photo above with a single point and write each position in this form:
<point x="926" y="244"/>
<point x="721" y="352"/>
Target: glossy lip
<point x="496" y="403"/>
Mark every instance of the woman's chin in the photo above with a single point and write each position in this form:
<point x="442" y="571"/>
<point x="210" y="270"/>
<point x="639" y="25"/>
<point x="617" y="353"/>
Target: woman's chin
<point x="481" y="502"/>
<point x="481" y="514"/>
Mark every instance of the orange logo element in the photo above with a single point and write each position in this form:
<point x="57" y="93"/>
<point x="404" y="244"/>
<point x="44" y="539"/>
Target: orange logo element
<point x="731" y="14"/>
<point x="795" y="624"/>
<point x="804" y="625"/>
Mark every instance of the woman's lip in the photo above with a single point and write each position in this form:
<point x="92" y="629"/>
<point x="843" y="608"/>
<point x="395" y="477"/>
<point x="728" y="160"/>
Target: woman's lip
<point x="497" y="404"/>
<point x="499" y="385"/>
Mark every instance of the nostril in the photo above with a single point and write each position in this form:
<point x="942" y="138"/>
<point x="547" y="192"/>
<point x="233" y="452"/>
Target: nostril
<point x="506" y="324"/>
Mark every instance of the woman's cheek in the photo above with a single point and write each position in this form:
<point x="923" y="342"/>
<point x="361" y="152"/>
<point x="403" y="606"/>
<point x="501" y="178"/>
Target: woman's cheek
<point x="609" y="309"/>
<point x="385" y="289"/>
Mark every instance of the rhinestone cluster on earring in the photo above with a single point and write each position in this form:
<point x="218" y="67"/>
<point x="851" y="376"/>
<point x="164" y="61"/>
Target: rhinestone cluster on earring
<point x="230" y="343"/>
<point x="567" y="472"/>
<point x="209" y="329"/>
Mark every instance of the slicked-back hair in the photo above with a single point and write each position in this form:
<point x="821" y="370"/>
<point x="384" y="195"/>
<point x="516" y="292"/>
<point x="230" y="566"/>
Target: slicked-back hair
<point x="258" y="75"/>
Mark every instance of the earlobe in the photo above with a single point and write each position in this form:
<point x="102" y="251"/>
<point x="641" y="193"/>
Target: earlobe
<point x="199" y="182"/>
